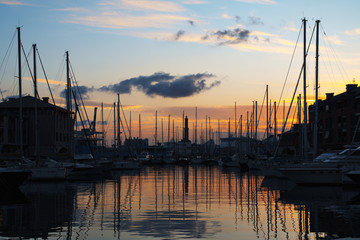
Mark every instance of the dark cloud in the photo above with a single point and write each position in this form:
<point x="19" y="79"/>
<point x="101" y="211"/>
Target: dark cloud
<point x="179" y="34"/>
<point x="191" y="22"/>
<point x="234" y="36"/>
<point x="165" y="85"/>
<point x="237" y="19"/>
<point x="252" y="20"/>
<point x="83" y="90"/>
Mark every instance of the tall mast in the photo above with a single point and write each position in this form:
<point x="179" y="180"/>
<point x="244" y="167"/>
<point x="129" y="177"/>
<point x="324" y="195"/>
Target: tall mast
<point x="300" y="126"/>
<point x="229" y="136"/>
<point x="162" y="131"/>
<point x="139" y="125"/>
<point x="169" y="130"/>
<point x="102" y="125"/>
<point x="256" y="120"/>
<point x="252" y="121"/>
<point x="235" y="122"/>
<point x="173" y="130"/>
<point x="316" y="90"/>
<point x="275" y="126"/>
<point x="155" y="127"/>
<point x="36" y="110"/>
<point x="241" y="127"/>
<point x="209" y="129"/>
<point x="68" y="102"/>
<point x="219" y="132"/>
<point x="206" y="133"/>
<point x="284" y="113"/>
<point x="20" y="96"/>
<point x="114" y="125"/>
<point x="118" y="122"/>
<point x="247" y="132"/>
<point x="267" y="112"/>
<point x="130" y="127"/>
<point x="183" y="125"/>
<point x="305" y="105"/>
<point x="195" y="125"/>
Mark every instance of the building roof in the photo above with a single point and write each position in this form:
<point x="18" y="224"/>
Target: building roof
<point x="28" y="102"/>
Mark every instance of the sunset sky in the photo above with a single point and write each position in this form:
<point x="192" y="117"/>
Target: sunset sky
<point x="171" y="56"/>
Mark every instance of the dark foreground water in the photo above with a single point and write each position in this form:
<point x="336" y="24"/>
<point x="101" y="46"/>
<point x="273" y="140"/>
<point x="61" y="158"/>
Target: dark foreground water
<point x="176" y="202"/>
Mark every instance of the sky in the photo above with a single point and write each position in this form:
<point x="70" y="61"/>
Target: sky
<point x="173" y="56"/>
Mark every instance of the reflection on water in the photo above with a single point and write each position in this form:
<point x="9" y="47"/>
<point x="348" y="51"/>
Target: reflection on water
<point x="174" y="202"/>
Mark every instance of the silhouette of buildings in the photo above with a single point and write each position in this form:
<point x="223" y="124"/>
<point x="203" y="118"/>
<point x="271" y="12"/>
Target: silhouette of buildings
<point x="53" y="127"/>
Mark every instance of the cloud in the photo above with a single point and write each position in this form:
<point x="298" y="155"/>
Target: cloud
<point x="179" y="34"/>
<point x="69" y="10"/>
<point x="129" y="21"/>
<point x="233" y="36"/>
<point x="42" y="80"/>
<point x="335" y="39"/>
<point x="191" y="2"/>
<point x="165" y="85"/>
<point x="266" y="42"/>
<point x="353" y="32"/>
<point x="145" y="5"/>
<point x="226" y="16"/>
<point x="252" y="20"/>
<point x="265" y="2"/>
<point x="17" y="3"/>
<point x="83" y="90"/>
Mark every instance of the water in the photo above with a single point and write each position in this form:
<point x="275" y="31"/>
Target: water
<point x="179" y="202"/>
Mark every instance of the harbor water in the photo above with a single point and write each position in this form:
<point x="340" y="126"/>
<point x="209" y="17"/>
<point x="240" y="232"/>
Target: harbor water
<point x="179" y="202"/>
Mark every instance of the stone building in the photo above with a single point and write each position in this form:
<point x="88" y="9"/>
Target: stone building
<point x="53" y="130"/>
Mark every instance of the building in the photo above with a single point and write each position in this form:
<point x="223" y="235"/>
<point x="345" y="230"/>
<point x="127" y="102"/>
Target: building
<point x="338" y="119"/>
<point x="53" y="127"/>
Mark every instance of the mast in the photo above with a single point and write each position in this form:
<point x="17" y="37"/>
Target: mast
<point x="20" y="97"/>
<point x="114" y="125"/>
<point x="252" y="121"/>
<point x="241" y="133"/>
<point x="275" y="126"/>
<point x="305" y="105"/>
<point x="300" y="126"/>
<point x="139" y="125"/>
<point x="173" y="130"/>
<point x="130" y="127"/>
<point x="267" y="112"/>
<point x="235" y="122"/>
<point x="247" y="132"/>
<point x="36" y="111"/>
<point x="316" y="90"/>
<point x="155" y="127"/>
<point x="229" y="136"/>
<point x="169" y="130"/>
<point x="209" y="129"/>
<point x="102" y="124"/>
<point x="284" y="112"/>
<point x="256" y="121"/>
<point x="68" y="102"/>
<point x="118" y="122"/>
<point x="219" y="132"/>
<point x="183" y="126"/>
<point x="195" y="125"/>
<point x="162" y="131"/>
<point x="206" y="133"/>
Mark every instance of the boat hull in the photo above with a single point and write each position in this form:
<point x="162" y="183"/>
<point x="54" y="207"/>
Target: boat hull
<point x="13" y="178"/>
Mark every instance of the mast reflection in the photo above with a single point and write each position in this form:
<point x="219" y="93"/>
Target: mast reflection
<point x="174" y="202"/>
